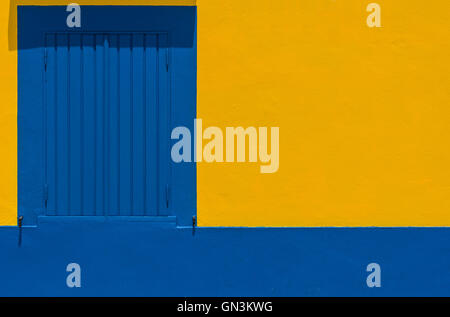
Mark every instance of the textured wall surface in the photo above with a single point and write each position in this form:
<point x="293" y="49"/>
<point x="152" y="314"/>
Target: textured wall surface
<point x="363" y="112"/>
<point x="140" y="259"/>
<point x="8" y="117"/>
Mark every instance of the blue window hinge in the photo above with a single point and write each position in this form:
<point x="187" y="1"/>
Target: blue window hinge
<point x="167" y="59"/>
<point x="45" y="59"/>
<point x="167" y="195"/>
<point x="45" y="195"/>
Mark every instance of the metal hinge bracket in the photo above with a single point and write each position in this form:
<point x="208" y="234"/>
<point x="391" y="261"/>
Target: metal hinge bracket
<point x="45" y="59"/>
<point x="167" y="195"/>
<point x="45" y="195"/>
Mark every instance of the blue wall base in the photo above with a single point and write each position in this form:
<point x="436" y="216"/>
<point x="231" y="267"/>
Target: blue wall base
<point x="144" y="259"/>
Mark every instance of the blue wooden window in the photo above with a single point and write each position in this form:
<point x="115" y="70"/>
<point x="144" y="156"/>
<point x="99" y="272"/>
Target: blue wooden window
<point x="106" y="124"/>
<point x="96" y="106"/>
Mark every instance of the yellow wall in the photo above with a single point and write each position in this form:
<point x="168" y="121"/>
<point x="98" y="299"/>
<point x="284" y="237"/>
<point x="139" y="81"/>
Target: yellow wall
<point x="8" y="123"/>
<point x="363" y="113"/>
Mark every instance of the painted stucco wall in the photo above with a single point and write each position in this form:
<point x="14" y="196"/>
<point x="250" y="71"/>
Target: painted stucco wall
<point x="8" y="117"/>
<point x="363" y="112"/>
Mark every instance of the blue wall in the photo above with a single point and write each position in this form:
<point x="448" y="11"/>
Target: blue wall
<point x="148" y="259"/>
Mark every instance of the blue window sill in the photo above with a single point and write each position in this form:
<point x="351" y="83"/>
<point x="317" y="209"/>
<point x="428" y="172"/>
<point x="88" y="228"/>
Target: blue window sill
<point x="105" y="219"/>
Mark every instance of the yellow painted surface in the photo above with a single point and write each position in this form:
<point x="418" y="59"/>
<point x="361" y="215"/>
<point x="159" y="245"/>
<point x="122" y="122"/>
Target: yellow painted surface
<point x="364" y="113"/>
<point x="8" y="123"/>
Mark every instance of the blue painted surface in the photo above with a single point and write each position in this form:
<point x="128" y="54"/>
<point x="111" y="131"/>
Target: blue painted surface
<point x="104" y="116"/>
<point x="83" y="145"/>
<point x="145" y="259"/>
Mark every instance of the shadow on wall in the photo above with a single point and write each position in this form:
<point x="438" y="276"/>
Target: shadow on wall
<point x="12" y="25"/>
<point x="187" y="40"/>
